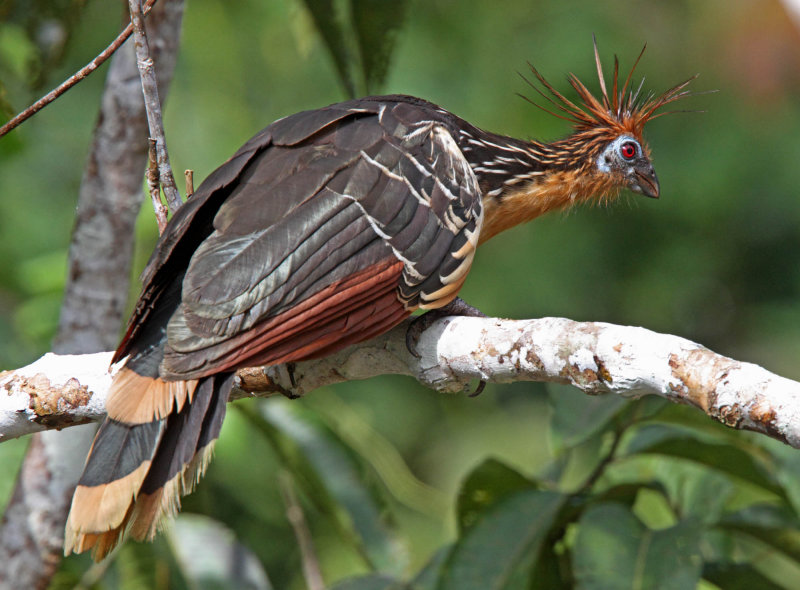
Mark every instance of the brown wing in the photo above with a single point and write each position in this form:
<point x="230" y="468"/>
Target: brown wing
<point x="193" y="223"/>
<point x="328" y="240"/>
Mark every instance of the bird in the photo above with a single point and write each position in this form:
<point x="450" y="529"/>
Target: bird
<point x="327" y="228"/>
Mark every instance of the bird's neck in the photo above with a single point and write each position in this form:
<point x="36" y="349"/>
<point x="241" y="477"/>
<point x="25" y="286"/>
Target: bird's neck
<point x="554" y="190"/>
<point x="521" y="180"/>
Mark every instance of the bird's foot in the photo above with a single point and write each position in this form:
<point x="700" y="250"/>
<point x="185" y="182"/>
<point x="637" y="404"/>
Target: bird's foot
<point x="289" y="393"/>
<point x="478" y="389"/>
<point x="421" y="323"/>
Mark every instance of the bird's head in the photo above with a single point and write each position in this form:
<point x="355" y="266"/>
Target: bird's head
<point x="605" y="154"/>
<point x="607" y="151"/>
<point x="625" y="160"/>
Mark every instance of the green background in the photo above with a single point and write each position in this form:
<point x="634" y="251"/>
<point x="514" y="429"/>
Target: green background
<point x="715" y="259"/>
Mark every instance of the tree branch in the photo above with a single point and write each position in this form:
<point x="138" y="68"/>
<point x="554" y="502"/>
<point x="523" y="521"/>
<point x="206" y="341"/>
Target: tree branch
<point x="152" y="103"/>
<point x="58" y="391"/>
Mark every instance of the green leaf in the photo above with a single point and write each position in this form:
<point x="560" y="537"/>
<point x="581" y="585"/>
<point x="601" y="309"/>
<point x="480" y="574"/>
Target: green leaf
<point x="330" y="27"/>
<point x="686" y="419"/>
<point x="552" y="570"/>
<point x="295" y="461"/>
<point x="488" y="483"/>
<point x="427" y="577"/>
<point x="624" y="493"/>
<point x="332" y="471"/>
<point x="730" y="460"/>
<point x="776" y="526"/>
<point x="383" y="457"/>
<point x="738" y="576"/>
<point x="372" y="582"/>
<point x="360" y="40"/>
<point x="702" y="494"/>
<point x="572" y="468"/>
<point x="17" y="50"/>
<point x="376" y="24"/>
<point x="788" y="473"/>
<point x="42" y="274"/>
<point x="577" y="416"/>
<point x="211" y="558"/>
<point x="614" y="550"/>
<point x="502" y="543"/>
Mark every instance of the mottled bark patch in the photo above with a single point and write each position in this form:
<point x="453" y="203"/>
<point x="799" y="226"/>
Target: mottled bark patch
<point x="603" y="374"/>
<point x="48" y="399"/>
<point x="700" y="376"/>
<point x="53" y="404"/>
<point x="252" y="380"/>
<point x="696" y="388"/>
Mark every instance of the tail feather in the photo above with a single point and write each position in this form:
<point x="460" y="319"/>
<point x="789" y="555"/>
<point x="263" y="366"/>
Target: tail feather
<point x="138" y="399"/>
<point x="136" y="472"/>
<point x="212" y="424"/>
<point x="182" y="456"/>
<point x="113" y="474"/>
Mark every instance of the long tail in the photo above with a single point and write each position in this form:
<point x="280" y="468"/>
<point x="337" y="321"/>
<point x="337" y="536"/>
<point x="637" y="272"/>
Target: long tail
<point x="152" y="449"/>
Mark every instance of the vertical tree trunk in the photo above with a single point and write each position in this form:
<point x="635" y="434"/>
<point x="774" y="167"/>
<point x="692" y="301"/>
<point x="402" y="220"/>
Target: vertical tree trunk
<point x="32" y="528"/>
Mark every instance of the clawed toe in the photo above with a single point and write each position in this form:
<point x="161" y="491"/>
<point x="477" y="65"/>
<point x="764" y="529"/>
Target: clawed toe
<point x="479" y="389"/>
<point x="418" y="325"/>
<point x="421" y="323"/>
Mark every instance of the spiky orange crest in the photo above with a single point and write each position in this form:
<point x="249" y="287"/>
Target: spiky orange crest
<point x="623" y="111"/>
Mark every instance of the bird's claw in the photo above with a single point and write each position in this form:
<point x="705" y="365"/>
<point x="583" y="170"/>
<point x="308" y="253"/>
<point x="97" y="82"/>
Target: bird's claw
<point x="418" y="325"/>
<point x="421" y="323"/>
<point x="479" y="389"/>
<point x="289" y="393"/>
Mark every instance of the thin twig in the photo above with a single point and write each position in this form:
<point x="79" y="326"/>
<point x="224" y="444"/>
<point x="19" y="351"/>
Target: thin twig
<point x="189" y="176"/>
<point x="153" y="105"/>
<point x="294" y="513"/>
<point x="77" y="77"/>
<point x="607" y="459"/>
<point x="154" y="186"/>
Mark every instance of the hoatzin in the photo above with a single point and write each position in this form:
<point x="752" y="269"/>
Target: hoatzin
<point x="327" y="228"/>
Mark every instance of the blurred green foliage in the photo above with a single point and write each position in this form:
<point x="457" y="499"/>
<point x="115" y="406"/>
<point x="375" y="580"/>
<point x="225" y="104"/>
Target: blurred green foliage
<point x="527" y="486"/>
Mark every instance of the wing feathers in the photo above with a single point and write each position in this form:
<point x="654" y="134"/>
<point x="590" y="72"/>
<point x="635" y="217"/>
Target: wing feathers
<point x="281" y="338"/>
<point x="362" y="192"/>
<point x="302" y="126"/>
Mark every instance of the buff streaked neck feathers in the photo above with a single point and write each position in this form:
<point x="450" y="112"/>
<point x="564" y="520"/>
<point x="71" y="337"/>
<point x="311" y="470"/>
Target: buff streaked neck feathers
<point x="559" y="189"/>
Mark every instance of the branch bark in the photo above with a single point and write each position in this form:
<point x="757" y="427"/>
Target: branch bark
<point x="58" y="391"/>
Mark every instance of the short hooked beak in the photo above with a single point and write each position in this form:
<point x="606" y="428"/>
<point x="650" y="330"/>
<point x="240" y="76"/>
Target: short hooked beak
<point x="645" y="181"/>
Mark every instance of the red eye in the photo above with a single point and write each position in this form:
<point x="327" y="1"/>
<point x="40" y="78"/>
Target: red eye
<point x="628" y="150"/>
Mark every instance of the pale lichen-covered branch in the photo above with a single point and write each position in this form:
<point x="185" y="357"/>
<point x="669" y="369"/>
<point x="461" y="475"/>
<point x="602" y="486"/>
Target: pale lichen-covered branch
<point x="58" y="390"/>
